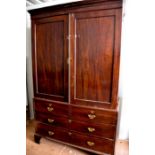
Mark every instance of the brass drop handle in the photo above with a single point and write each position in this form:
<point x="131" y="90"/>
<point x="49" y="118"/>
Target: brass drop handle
<point x="91" y="129"/>
<point x="50" y="120"/>
<point x="50" y="133"/>
<point x="50" y="109"/>
<point x="91" y="116"/>
<point x="69" y="133"/>
<point x="90" y="143"/>
<point x="69" y="121"/>
<point x="69" y="60"/>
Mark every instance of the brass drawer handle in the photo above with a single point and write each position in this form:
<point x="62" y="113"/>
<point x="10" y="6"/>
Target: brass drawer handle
<point x="90" y="143"/>
<point x="50" y="109"/>
<point x="69" y="121"/>
<point x="50" y="133"/>
<point x="50" y="120"/>
<point x="91" y="129"/>
<point x="69" y="133"/>
<point x="91" y="116"/>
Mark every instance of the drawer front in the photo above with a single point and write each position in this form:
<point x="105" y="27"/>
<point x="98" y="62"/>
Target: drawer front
<point x="102" y="130"/>
<point x="74" y="138"/>
<point x="52" y="120"/>
<point x="94" y="115"/>
<point x="52" y="108"/>
<point x="53" y="132"/>
<point x="90" y="142"/>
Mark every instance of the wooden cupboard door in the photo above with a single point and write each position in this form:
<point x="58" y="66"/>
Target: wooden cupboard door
<point x="95" y="57"/>
<point x="50" y="53"/>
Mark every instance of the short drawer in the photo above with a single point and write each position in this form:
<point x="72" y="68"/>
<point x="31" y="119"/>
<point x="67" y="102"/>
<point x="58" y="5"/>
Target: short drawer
<point x="94" y="115"/>
<point x="100" y="130"/>
<point x="53" y="132"/>
<point x="93" y="143"/>
<point x="52" y="108"/>
<point x="52" y="120"/>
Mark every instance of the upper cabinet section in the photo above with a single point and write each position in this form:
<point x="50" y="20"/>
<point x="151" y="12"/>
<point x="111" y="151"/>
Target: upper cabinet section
<point x="76" y="51"/>
<point x="50" y="55"/>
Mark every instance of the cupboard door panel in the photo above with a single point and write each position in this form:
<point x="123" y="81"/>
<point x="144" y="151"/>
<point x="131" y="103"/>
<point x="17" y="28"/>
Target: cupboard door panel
<point x="94" y="57"/>
<point x="50" y="52"/>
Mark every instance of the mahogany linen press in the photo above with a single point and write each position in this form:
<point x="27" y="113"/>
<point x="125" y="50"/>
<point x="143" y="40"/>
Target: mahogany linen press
<point x="75" y="59"/>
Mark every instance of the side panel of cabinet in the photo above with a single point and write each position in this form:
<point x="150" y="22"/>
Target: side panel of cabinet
<point x="95" y="50"/>
<point x="50" y="53"/>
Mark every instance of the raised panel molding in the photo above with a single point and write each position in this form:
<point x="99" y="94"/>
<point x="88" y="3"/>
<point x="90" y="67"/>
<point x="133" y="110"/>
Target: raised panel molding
<point x="50" y="54"/>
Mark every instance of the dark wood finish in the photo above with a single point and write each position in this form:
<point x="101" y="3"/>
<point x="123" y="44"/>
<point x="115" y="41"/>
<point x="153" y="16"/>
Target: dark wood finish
<point x="99" y="130"/>
<point x="75" y="55"/>
<point x="81" y="6"/>
<point x="100" y="144"/>
<point x="101" y="116"/>
<point x="52" y="120"/>
<point x="117" y="48"/>
<point x="51" y="108"/>
<point x="37" y="138"/>
<point x="50" y="68"/>
<point x="93" y="80"/>
<point x="93" y="63"/>
<point x="53" y="132"/>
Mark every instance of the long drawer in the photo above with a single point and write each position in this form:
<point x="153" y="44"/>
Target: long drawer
<point x="51" y="108"/>
<point x="100" y="130"/>
<point x="93" y="115"/>
<point x="74" y="138"/>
